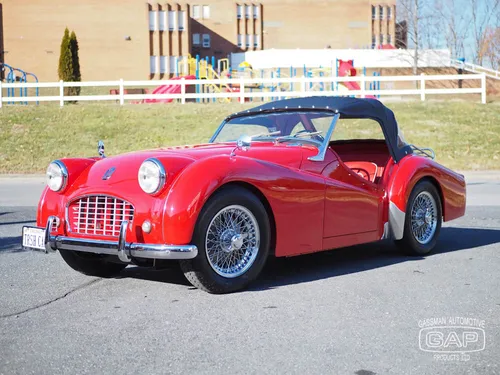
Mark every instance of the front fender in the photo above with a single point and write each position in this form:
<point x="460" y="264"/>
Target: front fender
<point x="406" y="175"/>
<point x="296" y="199"/>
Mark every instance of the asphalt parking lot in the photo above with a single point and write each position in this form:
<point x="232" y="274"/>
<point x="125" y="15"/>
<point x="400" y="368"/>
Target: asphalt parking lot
<point x="363" y="310"/>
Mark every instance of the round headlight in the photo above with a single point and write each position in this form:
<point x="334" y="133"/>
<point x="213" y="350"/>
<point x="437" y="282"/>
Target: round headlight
<point x="151" y="176"/>
<point x="57" y="176"/>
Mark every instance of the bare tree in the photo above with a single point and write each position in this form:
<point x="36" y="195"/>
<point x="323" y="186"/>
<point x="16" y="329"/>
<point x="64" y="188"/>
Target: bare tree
<point x="422" y="27"/>
<point x="491" y="48"/>
<point x="455" y="25"/>
<point x="483" y="13"/>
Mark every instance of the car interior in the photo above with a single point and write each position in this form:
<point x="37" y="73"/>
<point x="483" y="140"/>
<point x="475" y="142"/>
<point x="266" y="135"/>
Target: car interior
<point x="365" y="157"/>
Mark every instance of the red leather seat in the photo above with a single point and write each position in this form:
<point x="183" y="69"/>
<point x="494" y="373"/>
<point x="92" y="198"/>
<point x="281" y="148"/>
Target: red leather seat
<point x="365" y="169"/>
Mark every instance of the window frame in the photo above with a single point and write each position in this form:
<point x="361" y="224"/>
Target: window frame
<point x="256" y="11"/>
<point x="197" y="44"/>
<point x="205" y="15"/>
<point x="181" y="16"/>
<point x="203" y="44"/>
<point x="153" y="20"/>
<point x="172" y="20"/>
<point x="196" y="12"/>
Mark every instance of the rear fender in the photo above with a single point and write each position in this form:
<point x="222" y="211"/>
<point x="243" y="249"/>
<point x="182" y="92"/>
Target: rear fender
<point x="295" y="197"/>
<point x="407" y="174"/>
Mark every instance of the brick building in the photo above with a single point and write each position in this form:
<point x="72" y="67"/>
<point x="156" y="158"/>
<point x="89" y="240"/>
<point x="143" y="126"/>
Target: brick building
<point x="134" y="39"/>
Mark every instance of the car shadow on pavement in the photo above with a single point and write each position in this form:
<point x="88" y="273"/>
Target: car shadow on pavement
<point x="171" y="274"/>
<point x="18" y="222"/>
<point x="11" y="244"/>
<point x="306" y="268"/>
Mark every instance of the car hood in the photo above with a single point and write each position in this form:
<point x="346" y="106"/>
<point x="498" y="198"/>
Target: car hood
<point x="108" y="174"/>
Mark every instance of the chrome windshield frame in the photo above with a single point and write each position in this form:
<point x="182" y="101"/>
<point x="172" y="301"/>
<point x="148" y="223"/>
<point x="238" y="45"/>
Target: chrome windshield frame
<point x="322" y="146"/>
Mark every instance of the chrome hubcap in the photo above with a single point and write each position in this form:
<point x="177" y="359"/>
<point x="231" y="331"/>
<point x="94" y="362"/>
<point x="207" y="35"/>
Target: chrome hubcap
<point x="232" y="241"/>
<point x="424" y="217"/>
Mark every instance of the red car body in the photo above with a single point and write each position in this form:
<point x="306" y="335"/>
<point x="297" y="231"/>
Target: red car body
<point x="357" y="194"/>
<point x="314" y="206"/>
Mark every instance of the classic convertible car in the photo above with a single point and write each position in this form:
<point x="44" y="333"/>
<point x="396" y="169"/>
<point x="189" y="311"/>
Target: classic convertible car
<point x="286" y="178"/>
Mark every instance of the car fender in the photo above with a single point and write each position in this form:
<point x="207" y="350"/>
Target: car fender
<point x="51" y="202"/>
<point x="296" y="199"/>
<point x="407" y="173"/>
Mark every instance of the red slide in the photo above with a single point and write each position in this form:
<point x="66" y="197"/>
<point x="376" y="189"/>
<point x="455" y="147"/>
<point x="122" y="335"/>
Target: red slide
<point x="167" y="89"/>
<point x="346" y="69"/>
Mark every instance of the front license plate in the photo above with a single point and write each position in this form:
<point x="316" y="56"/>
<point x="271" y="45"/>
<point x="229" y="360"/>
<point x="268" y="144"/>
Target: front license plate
<point x="34" y="238"/>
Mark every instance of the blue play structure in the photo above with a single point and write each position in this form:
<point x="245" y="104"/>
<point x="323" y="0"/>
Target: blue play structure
<point x="17" y="75"/>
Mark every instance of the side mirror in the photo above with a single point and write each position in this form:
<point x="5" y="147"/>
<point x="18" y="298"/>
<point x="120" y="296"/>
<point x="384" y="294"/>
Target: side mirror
<point x="244" y="142"/>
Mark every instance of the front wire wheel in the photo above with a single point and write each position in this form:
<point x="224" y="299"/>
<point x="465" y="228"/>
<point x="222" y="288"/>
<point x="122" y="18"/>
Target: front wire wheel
<point x="423" y="220"/>
<point x="232" y="241"/>
<point x="233" y="236"/>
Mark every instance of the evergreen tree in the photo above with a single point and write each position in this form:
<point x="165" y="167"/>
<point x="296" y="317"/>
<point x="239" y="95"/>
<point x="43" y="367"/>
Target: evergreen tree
<point x="65" y="70"/>
<point x="69" y="64"/>
<point x="73" y="42"/>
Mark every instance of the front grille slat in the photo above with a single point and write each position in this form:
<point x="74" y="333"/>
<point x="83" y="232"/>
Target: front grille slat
<point x="99" y="215"/>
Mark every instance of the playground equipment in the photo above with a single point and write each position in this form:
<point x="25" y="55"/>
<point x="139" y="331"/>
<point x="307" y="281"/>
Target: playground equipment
<point x="211" y="69"/>
<point x="12" y="77"/>
<point x="168" y="89"/>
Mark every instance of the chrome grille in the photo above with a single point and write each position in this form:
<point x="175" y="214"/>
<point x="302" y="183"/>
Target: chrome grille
<point x="99" y="215"/>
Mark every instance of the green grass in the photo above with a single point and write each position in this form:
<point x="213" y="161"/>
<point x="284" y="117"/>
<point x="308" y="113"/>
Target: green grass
<point x="465" y="135"/>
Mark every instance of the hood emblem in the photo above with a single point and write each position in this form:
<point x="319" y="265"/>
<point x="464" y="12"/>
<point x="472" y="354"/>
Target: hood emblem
<point x="100" y="149"/>
<point x="109" y="173"/>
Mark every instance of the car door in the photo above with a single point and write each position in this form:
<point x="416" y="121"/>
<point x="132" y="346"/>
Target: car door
<point x="353" y="205"/>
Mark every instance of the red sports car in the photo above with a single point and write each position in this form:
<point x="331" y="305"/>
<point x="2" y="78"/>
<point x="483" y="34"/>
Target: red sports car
<point x="286" y="178"/>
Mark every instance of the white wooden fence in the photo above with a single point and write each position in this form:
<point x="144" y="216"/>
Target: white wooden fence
<point x="241" y="88"/>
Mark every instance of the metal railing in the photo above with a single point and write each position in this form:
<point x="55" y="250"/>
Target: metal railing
<point x="243" y="88"/>
<point x="478" y="69"/>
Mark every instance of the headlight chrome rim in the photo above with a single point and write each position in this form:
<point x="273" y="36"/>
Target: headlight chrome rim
<point x="64" y="174"/>
<point x="162" y="175"/>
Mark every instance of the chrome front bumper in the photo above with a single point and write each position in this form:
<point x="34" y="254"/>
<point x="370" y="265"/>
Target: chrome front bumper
<point x="124" y="250"/>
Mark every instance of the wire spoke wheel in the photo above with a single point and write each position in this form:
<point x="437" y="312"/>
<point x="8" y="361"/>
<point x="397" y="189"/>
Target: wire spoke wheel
<point x="424" y="217"/>
<point x="232" y="241"/>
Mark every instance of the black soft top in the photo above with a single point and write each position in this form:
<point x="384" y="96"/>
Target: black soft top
<point x="348" y="108"/>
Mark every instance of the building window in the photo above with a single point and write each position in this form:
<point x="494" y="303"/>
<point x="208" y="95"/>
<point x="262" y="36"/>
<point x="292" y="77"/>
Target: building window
<point x="381" y="39"/>
<point x="239" y="11"/>
<point x="172" y="20"/>
<point x="381" y="12"/>
<point x="206" y="12"/>
<point x="206" y="40"/>
<point x="196" y="12"/>
<point x="248" y="11"/>
<point x="256" y="11"/>
<point x="152" y="65"/>
<point x="374" y="42"/>
<point x="173" y="64"/>
<point x="389" y="12"/>
<point x="240" y="40"/>
<point x="152" y="20"/>
<point x="256" y="40"/>
<point x="163" y="64"/>
<point x="248" y="41"/>
<point x="374" y="12"/>
<point x="182" y="18"/>
<point x="162" y="17"/>
<point x="389" y="39"/>
<point x="196" y="39"/>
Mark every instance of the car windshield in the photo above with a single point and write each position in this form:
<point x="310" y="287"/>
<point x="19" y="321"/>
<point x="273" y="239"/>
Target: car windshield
<point x="281" y="126"/>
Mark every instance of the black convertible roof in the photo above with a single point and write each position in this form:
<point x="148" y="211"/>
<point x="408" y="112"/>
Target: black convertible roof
<point x="348" y="108"/>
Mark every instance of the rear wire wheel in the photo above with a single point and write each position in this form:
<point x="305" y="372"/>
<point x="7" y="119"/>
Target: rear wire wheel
<point x="423" y="220"/>
<point x="233" y="236"/>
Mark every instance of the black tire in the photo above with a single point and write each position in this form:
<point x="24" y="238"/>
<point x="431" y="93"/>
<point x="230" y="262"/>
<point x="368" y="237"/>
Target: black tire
<point x="199" y="271"/>
<point x="409" y="243"/>
<point x="91" y="264"/>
